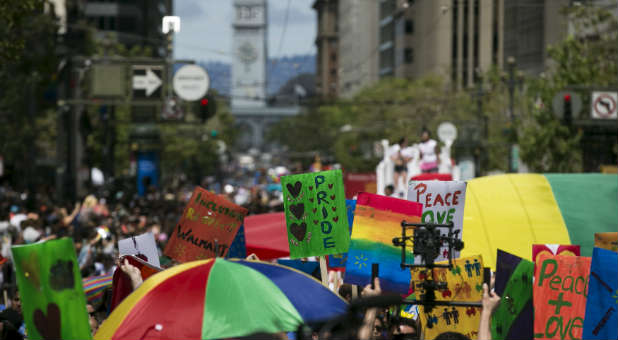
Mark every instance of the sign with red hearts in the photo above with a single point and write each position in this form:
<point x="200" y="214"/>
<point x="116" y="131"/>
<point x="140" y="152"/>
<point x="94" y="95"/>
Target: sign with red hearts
<point x="315" y="214"/>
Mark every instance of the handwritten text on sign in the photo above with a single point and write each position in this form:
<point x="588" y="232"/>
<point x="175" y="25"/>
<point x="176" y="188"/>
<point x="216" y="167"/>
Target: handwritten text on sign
<point x="206" y="229"/>
<point x="443" y="202"/>
<point x="560" y="290"/>
<point x="314" y="205"/>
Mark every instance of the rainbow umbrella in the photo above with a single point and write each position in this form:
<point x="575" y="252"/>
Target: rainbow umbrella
<point x="512" y="212"/>
<point x="219" y="298"/>
<point x="94" y="287"/>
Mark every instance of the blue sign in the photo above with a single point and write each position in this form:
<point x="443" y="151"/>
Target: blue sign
<point x="238" y="248"/>
<point x="601" y="321"/>
<point x="147" y="171"/>
<point x="339" y="260"/>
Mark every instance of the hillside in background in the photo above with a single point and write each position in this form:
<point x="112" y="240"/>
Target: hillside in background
<point x="279" y="71"/>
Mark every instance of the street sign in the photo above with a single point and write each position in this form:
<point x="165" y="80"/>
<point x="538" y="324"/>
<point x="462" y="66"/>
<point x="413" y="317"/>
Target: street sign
<point x="447" y="132"/>
<point x="191" y="82"/>
<point x="558" y="104"/>
<point x="604" y="105"/>
<point x="170" y="23"/>
<point x="147" y="81"/>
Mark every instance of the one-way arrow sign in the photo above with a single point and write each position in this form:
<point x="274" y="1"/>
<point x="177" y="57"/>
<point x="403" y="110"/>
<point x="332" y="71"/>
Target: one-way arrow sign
<point x="147" y="81"/>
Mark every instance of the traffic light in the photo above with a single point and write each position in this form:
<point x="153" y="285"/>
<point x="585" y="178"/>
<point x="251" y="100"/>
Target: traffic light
<point x="568" y="113"/>
<point x="208" y="108"/>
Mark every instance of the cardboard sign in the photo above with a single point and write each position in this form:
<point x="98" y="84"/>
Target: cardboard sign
<point x="209" y="221"/>
<point x="50" y="287"/>
<point x="377" y="220"/>
<point x="560" y="289"/>
<point x="238" y="249"/>
<point x="464" y="283"/>
<point x="443" y="202"/>
<point x="315" y="214"/>
<point x="514" y="318"/>
<point x="601" y="321"/>
<point x="143" y="246"/>
<point x="607" y="241"/>
<point x="337" y="262"/>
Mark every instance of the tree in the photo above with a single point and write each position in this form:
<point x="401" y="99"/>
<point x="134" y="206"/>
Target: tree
<point x="587" y="58"/>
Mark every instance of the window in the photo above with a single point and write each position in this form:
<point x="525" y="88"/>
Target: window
<point x="409" y="26"/>
<point x="408" y="55"/>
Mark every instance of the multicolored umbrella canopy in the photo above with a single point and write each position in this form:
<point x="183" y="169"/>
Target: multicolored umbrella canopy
<point x="512" y="212"/>
<point x="219" y="298"/>
<point x="94" y="287"/>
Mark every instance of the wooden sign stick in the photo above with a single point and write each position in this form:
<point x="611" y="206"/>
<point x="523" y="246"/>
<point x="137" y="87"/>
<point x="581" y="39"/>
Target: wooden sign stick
<point x="323" y="271"/>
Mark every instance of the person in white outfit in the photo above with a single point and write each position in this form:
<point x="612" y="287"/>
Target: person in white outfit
<point x="400" y="159"/>
<point x="429" y="153"/>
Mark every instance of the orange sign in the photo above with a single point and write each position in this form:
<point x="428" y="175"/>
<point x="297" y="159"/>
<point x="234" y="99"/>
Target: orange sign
<point x="206" y="229"/>
<point x="559" y="295"/>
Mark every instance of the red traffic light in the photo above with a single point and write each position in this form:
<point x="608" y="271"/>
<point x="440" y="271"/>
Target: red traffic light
<point x="567" y="97"/>
<point x="204" y="102"/>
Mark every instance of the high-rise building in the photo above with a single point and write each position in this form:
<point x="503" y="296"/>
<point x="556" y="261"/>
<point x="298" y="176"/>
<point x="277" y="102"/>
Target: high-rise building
<point x="130" y="22"/>
<point x="358" y="43"/>
<point x="327" y="60"/>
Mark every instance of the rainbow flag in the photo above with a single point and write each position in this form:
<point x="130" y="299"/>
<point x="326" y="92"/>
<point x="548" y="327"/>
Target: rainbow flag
<point x="377" y="220"/>
<point x="512" y="212"/>
<point x="94" y="287"/>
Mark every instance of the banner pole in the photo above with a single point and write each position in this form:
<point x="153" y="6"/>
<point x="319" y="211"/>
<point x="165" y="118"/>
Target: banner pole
<point x="323" y="271"/>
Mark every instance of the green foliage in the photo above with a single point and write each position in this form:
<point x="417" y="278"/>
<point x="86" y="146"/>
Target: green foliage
<point x="587" y="59"/>
<point x="391" y="109"/>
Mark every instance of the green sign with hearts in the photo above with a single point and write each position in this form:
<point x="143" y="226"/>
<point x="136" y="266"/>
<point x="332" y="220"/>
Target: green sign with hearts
<point x="315" y="214"/>
<point x="50" y="287"/>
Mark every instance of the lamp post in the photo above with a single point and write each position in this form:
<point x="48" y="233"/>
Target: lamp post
<point x="512" y="81"/>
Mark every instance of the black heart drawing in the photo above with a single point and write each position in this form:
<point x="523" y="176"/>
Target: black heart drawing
<point x="61" y="275"/>
<point x="299" y="230"/>
<point x="298" y="210"/>
<point x="294" y="190"/>
<point x="48" y="325"/>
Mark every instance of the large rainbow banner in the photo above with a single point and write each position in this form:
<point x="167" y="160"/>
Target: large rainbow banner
<point x="377" y="220"/>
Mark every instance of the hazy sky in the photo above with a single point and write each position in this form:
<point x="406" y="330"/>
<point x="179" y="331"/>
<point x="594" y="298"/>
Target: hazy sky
<point x="206" y="29"/>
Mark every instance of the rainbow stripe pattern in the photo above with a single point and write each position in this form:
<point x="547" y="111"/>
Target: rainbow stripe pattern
<point x="377" y="220"/>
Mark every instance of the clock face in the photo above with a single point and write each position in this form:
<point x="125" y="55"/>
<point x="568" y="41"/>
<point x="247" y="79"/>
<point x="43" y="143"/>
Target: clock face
<point x="247" y="54"/>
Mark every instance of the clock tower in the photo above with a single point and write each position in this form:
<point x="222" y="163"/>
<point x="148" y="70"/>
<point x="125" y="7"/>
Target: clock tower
<point x="249" y="54"/>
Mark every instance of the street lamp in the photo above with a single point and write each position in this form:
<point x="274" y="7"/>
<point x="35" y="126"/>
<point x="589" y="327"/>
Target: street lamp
<point x="512" y="80"/>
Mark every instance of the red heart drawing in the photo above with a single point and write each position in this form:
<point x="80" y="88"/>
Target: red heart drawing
<point x="48" y="325"/>
<point x="310" y="187"/>
<point x="315" y="210"/>
<point x="332" y="197"/>
<point x="336" y="218"/>
<point x="311" y="200"/>
<point x="315" y="221"/>
<point x="330" y="186"/>
<point x="334" y="208"/>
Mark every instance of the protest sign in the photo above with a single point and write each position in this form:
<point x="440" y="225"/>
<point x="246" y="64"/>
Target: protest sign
<point x="337" y="262"/>
<point x="121" y="282"/>
<point x="601" y="321"/>
<point x="315" y="214"/>
<point x="50" y="287"/>
<point x="238" y="249"/>
<point x="143" y="246"/>
<point x="443" y="202"/>
<point x="555" y="249"/>
<point x="377" y="220"/>
<point x="559" y="295"/>
<point x="464" y="283"/>
<point x="209" y="221"/>
<point x="607" y="241"/>
<point x="513" y="319"/>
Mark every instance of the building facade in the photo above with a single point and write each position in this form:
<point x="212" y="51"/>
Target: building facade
<point x="327" y="59"/>
<point x="130" y="22"/>
<point x="358" y="43"/>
